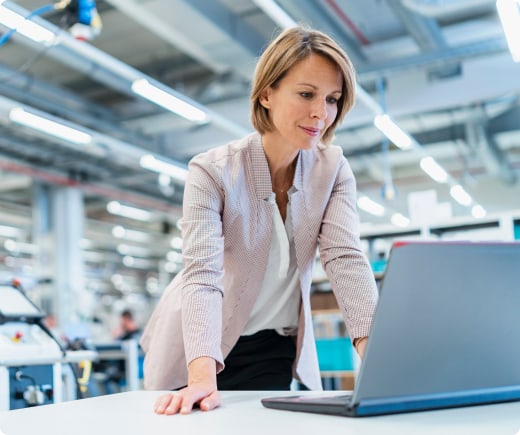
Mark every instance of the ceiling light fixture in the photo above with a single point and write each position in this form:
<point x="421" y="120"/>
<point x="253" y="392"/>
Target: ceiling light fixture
<point x="6" y="231"/>
<point x="21" y="247"/>
<point x="27" y="28"/>
<point x="400" y="220"/>
<point x="370" y="206"/>
<point x="509" y="13"/>
<point x="152" y="163"/>
<point x="134" y="251"/>
<point x="119" y="209"/>
<point x="120" y="232"/>
<point x="169" y="101"/>
<point x="276" y="13"/>
<point x="393" y="132"/>
<point x="433" y="169"/>
<point x="460" y="195"/>
<point x="477" y="211"/>
<point x="47" y="126"/>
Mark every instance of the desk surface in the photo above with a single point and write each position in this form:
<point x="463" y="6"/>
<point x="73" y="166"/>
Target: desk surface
<point x="242" y="413"/>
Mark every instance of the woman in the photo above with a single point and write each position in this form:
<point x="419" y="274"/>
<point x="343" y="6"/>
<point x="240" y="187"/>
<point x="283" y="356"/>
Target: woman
<point x="238" y="315"/>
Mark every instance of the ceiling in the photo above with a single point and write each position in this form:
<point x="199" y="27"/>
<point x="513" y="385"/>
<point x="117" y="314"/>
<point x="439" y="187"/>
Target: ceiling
<point x="440" y="67"/>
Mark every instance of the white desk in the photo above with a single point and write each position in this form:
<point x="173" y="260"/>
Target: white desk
<point x="242" y="414"/>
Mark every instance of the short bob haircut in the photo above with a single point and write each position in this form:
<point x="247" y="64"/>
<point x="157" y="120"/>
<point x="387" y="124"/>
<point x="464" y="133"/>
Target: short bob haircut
<point x="289" y="48"/>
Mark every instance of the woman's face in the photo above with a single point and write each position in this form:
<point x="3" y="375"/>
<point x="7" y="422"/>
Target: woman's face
<point x="304" y="103"/>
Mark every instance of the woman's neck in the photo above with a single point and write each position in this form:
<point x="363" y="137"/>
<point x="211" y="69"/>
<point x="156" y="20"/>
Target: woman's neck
<point x="281" y="160"/>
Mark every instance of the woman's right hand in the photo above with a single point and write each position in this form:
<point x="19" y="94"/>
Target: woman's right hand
<point x="201" y="390"/>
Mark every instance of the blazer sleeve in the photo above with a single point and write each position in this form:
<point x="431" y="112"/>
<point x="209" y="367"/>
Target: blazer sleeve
<point x="203" y="250"/>
<point x="343" y="260"/>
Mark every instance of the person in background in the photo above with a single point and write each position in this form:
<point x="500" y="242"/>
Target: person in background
<point x="238" y="316"/>
<point x="128" y="328"/>
<point x="112" y="372"/>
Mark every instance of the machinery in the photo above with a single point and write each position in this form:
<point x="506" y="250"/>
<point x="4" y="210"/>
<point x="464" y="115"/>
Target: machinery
<point x="30" y="357"/>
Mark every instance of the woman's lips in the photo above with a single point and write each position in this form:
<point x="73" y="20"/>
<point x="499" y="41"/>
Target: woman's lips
<point x="311" y="131"/>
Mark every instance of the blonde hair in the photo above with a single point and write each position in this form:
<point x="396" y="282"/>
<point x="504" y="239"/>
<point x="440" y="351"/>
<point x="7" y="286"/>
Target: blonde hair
<point x="289" y="48"/>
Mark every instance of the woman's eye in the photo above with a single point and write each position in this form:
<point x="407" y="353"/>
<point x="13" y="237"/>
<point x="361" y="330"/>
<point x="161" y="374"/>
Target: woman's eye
<point x="306" y="94"/>
<point x="332" y="100"/>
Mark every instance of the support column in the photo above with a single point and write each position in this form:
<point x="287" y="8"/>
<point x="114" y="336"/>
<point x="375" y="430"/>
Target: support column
<point x="68" y="221"/>
<point x="58" y="220"/>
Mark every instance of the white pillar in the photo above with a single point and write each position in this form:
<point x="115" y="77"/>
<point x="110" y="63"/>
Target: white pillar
<point x="58" y="220"/>
<point x="68" y="221"/>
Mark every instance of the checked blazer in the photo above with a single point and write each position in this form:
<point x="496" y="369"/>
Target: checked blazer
<point x="226" y="227"/>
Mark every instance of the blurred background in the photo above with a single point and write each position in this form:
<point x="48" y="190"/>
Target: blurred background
<point x="102" y="105"/>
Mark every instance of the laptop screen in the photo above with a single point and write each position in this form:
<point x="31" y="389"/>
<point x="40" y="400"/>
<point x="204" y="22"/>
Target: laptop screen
<point x="447" y="320"/>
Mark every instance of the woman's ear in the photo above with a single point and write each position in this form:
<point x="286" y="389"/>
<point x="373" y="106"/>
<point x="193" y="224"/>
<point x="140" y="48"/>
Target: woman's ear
<point x="264" y="98"/>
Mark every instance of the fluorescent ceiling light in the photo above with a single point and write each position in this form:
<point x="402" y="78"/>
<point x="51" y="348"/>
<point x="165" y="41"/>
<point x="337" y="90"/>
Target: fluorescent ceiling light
<point x="172" y="267"/>
<point x="170" y="102"/>
<point x="154" y="164"/>
<point x="27" y="28"/>
<point x="119" y="209"/>
<point x="393" y="132"/>
<point x="134" y="251"/>
<point x="6" y="231"/>
<point x="370" y="206"/>
<point x="174" y="257"/>
<point x="137" y="263"/>
<point x="477" y="211"/>
<point x="509" y="13"/>
<point x="120" y="232"/>
<point x="176" y="243"/>
<point x="52" y="128"/>
<point x="460" y="195"/>
<point x="400" y="220"/>
<point x="21" y="247"/>
<point x="276" y="13"/>
<point x="433" y="169"/>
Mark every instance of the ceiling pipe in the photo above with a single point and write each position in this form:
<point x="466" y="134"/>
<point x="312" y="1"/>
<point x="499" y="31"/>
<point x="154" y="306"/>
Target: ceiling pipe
<point x="97" y="189"/>
<point x="63" y="103"/>
<point x="102" y="145"/>
<point x="432" y="59"/>
<point x="425" y="30"/>
<point x="104" y="68"/>
<point x="363" y="40"/>
<point x="167" y="32"/>
<point x="435" y="8"/>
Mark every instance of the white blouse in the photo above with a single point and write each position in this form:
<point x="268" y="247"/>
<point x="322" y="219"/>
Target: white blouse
<point x="278" y="302"/>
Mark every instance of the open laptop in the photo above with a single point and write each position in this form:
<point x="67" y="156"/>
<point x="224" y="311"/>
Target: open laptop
<point x="446" y="333"/>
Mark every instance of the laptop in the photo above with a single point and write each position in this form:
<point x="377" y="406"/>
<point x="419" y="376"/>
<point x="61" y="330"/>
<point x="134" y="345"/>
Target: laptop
<point x="446" y="333"/>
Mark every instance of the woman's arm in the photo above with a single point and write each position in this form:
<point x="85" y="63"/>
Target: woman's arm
<point x="343" y="259"/>
<point x="201" y="292"/>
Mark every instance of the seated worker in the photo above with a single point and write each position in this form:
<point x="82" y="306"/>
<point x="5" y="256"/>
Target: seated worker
<point x="128" y="328"/>
<point x="114" y="371"/>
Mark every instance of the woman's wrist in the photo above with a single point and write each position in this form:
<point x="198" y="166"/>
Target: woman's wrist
<point x="202" y="370"/>
<point x="359" y="342"/>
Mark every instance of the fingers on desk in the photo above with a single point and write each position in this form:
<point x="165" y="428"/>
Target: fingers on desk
<point x="167" y="404"/>
<point x="184" y="400"/>
<point x="210" y="402"/>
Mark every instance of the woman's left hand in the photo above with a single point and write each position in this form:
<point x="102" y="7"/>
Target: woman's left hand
<point x="361" y="344"/>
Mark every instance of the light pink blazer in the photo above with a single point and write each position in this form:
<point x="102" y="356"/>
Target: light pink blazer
<point x="226" y="228"/>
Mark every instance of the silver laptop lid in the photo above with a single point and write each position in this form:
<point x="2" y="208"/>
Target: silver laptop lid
<point x="448" y="320"/>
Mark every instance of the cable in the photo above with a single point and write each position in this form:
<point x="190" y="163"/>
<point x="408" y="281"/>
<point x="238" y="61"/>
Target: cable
<point x="25" y="66"/>
<point x="19" y="375"/>
<point x="79" y="393"/>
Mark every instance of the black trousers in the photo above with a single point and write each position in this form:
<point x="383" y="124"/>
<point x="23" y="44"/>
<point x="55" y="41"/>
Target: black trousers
<point x="262" y="361"/>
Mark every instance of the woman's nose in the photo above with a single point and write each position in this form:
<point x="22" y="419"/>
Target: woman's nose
<point x="319" y="109"/>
